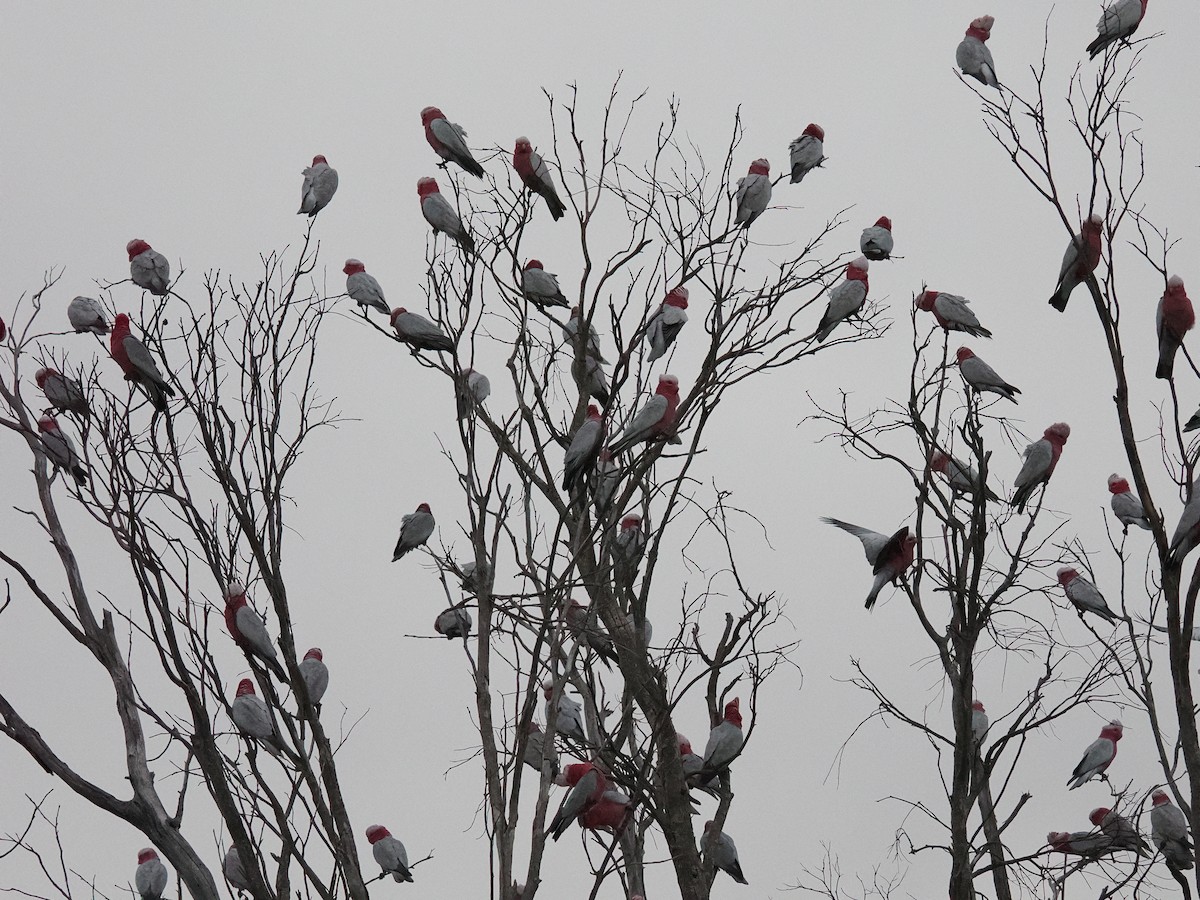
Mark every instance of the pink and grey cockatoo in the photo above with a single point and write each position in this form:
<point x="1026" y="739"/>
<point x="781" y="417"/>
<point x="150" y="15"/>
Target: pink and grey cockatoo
<point x="1118" y="22"/>
<point x="876" y="241"/>
<point x="389" y="853"/>
<point x="320" y="184"/>
<point x="419" y="333"/>
<point x="315" y="674"/>
<point x="806" y="152"/>
<point x="693" y="764"/>
<point x="612" y="812"/>
<point x="446" y="139"/>
<point x="249" y="630"/>
<point x="606" y="477"/>
<point x="541" y="287"/>
<point x="569" y="720"/>
<point x="666" y="323"/>
<point x="364" y="289"/>
<point x="583" y="450"/>
<point x="952" y="312"/>
<point x="724" y="742"/>
<point x="588" y="785"/>
<point x="889" y="556"/>
<point x="471" y="389"/>
<point x="441" y="215"/>
<point x="753" y="193"/>
<point x="584" y="627"/>
<point x="148" y="268"/>
<point x="234" y="871"/>
<point x="1169" y="832"/>
<point x="1175" y="319"/>
<point x="1084" y="595"/>
<point x="656" y="421"/>
<point x="979" y="722"/>
<point x="1187" y="532"/>
<point x="846" y="299"/>
<point x="982" y="377"/>
<point x="1040" y="459"/>
<point x="252" y="718"/>
<point x="1125" y="504"/>
<point x="535" y="751"/>
<point x="64" y="394"/>
<point x="1098" y="756"/>
<point x="415" y="530"/>
<point x="454" y="622"/>
<point x="1080" y="843"/>
<point x="1122" y="834"/>
<point x="151" y="876"/>
<point x="474" y="577"/>
<point x="973" y="55"/>
<point x="86" y="314"/>
<point x="629" y="544"/>
<point x="60" y="450"/>
<point x="138" y="365"/>
<point x="720" y="848"/>
<point x="535" y="175"/>
<point x="591" y="344"/>
<point x="1079" y="262"/>
<point x="963" y="479"/>
<point x="589" y="375"/>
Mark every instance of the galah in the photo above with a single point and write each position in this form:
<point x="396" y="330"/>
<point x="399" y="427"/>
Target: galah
<point x="441" y="215"/>
<point x="806" y="152"/>
<point x="148" y="268"/>
<point x="612" y="813"/>
<point x="952" y="312"/>
<point x="85" y="314"/>
<point x="693" y="765"/>
<point x="60" y="450"/>
<point x="628" y="546"/>
<point x="666" y="323"/>
<point x="963" y="478"/>
<point x="982" y="377"/>
<point x="474" y="577"/>
<point x="1175" y="319"/>
<point x="234" y="871"/>
<point x="364" y="289"/>
<point x="1118" y="22"/>
<point x="591" y="343"/>
<point x="979" y="722"/>
<point x="1187" y="532"/>
<point x="1121" y="833"/>
<point x="656" y="420"/>
<point x="1125" y="504"/>
<point x="584" y="627"/>
<point x="1084" y="595"/>
<point x="606" y="477"/>
<point x="419" y="333"/>
<point x="249" y="630"/>
<point x="471" y="389"/>
<point x="65" y="394"/>
<point x="590" y="377"/>
<point x="583" y="450"/>
<point x="415" y="530"/>
<point x="1040" y="459"/>
<point x="535" y="175"/>
<point x="541" y="287"/>
<point x="535" y="751"/>
<point x="569" y="721"/>
<point x="389" y="853"/>
<point x="588" y="785"/>
<point x="1098" y="756"/>
<point x="151" y="876"/>
<point x="973" y="56"/>
<point x="1079" y="262"/>
<point x="138" y="365"/>
<point x="876" y="241"/>
<point x="1169" y="832"/>
<point x="454" y="622"/>
<point x="446" y="139"/>
<point x="1080" y="843"/>
<point x="846" y="299"/>
<point x="753" y="193"/>
<point x="894" y="559"/>
<point x="724" y="741"/>
<point x="722" y="851"/>
<point x="320" y="184"/>
<point x="315" y="674"/>
<point x="252" y="718"/>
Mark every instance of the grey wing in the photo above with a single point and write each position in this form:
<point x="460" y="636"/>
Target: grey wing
<point x="648" y="415"/>
<point x="1037" y="459"/>
<point x="451" y="136"/>
<point x="141" y="359"/>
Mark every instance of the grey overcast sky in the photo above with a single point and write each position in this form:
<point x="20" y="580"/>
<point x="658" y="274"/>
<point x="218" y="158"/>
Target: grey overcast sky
<point x="188" y="126"/>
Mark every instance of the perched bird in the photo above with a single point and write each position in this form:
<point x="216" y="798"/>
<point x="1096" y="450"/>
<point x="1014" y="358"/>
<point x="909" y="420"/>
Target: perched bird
<point x="535" y="751"/>
<point x="588" y="785"/>
<point x="753" y="193"/>
<point x="249" y="630"/>
<point x="693" y="764"/>
<point x="606" y="477"/>
<point x="415" y="529"/>
<point x="720" y="848"/>
<point x="628" y="546"/>
<point x="1080" y="843"/>
<point x="846" y="299"/>
<point x="1175" y="319"/>
<point x="591" y="343"/>
<point x="148" y="268"/>
<point x="1169" y="832"/>
<point x="85" y="314"/>
<point x="1040" y="459"/>
<point x="952" y="312"/>
<point x="612" y="813"/>
<point x="589" y="375"/>
<point x="1187" y="532"/>
<point x="252" y="718"/>
<point x="151" y="876"/>
<point x="441" y="215"/>
<point x="666" y="323"/>
<point x="138" y="365"/>
<point x="474" y="577"/>
<point x="876" y="241"/>
<point x="235" y="872"/>
<point x="65" y="394"/>
<point x="1118" y="22"/>
<point x="320" y="184"/>
<point x="656" y="421"/>
<point x="568" y="714"/>
<point x="535" y="175"/>
<point x="389" y="853"/>
<point x="60" y="450"/>
<point x="584" y="627"/>
<point x="724" y="742"/>
<point x="1121" y="833"/>
<point x="963" y="478"/>
<point x="471" y="389"/>
<point x="454" y="622"/>
<point x="1125" y="506"/>
<point x="446" y="139"/>
<point x="1098" y="756"/>
<point x="1084" y="595"/>
<point x="315" y="674"/>
<point x="541" y="287"/>
<point x="806" y="152"/>
<point x="979" y="722"/>
<point x="894" y="559"/>
<point x="973" y="56"/>
<point x="982" y="377"/>
<point x="1079" y="262"/>
<point x="583" y="450"/>
<point x="364" y="289"/>
<point x="419" y="333"/>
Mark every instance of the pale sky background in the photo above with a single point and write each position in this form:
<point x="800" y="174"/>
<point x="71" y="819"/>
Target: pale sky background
<point x="189" y="128"/>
